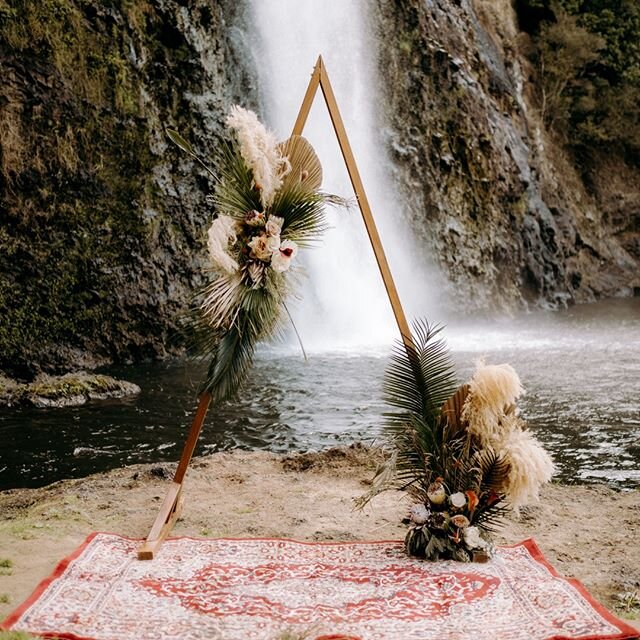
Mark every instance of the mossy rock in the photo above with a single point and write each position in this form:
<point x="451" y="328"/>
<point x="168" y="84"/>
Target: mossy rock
<point x="69" y="390"/>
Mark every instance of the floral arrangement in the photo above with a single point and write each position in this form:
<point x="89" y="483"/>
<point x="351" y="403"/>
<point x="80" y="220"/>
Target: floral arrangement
<point x="268" y="206"/>
<point x="462" y="453"/>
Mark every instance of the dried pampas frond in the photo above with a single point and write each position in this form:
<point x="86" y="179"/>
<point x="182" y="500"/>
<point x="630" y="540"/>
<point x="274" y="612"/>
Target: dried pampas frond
<point x="490" y="413"/>
<point x="220" y="301"/>
<point x="221" y="235"/>
<point x="530" y="466"/>
<point x="260" y="151"/>
<point x="306" y="169"/>
<point x="493" y="392"/>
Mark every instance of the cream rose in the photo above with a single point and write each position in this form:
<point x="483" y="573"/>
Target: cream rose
<point x="274" y="226"/>
<point x="458" y="500"/>
<point x="273" y="243"/>
<point x="261" y="248"/>
<point x="472" y="539"/>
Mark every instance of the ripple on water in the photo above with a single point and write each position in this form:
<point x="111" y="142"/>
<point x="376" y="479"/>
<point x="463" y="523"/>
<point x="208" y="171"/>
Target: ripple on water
<point x="581" y="369"/>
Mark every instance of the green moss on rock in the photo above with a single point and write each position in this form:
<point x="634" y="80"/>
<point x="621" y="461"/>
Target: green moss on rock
<point x="15" y="635"/>
<point x="70" y="389"/>
<point x="101" y="222"/>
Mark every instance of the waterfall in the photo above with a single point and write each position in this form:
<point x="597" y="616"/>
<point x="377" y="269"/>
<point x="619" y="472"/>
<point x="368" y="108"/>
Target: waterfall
<point x="344" y="303"/>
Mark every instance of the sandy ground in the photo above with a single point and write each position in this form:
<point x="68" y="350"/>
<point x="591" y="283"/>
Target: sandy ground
<point x="588" y="532"/>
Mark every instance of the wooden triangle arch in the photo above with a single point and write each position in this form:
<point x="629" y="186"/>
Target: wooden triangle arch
<point x="172" y="503"/>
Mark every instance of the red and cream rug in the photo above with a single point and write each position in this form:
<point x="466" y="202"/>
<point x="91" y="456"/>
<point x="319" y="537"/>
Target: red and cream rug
<point x="264" y="589"/>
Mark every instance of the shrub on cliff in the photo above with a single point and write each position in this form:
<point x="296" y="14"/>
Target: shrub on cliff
<point x="587" y="58"/>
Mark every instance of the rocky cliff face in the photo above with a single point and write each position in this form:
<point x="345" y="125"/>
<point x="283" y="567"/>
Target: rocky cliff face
<point x="496" y="201"/>
<point x="101" y="218"/>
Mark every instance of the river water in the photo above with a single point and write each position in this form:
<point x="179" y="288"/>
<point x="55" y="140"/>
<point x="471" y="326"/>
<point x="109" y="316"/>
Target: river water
<point x="581" y="368"/>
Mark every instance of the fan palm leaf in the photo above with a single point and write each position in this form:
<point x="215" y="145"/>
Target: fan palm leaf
<point x="303" y="214"/>
<point x="305" y="167"/>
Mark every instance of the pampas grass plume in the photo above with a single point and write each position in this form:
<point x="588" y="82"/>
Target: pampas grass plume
<point x="490" y="412"/>
<point x="496" y="385"/>
<point x="259" y="150"/>
<point x="221" y="234"/>
<point x="493" y="392"/>
<point x="530" y="466"/>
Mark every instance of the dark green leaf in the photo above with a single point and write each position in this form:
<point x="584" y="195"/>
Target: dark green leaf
<point x="176" y="138"/>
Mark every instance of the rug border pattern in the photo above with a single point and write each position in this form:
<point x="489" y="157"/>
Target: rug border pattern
<point x="626" y="631"/>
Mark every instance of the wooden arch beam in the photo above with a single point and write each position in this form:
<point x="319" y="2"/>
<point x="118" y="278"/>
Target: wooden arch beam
<point x="320" y="78"/>
<point x="172" y="504"/>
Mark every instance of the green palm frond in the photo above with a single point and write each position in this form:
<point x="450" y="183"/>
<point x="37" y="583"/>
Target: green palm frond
<point x="418" y="383"/>
<point x="234" y="194"/>
<point x="262" y="307"/>
<point x="231" y="362"/>
<point x="230" y="350"/>
<point x="303" y="214"/>
<point x="438" y="379"/>
<point x="206" y="344"/>
<point x="199" y="338"/>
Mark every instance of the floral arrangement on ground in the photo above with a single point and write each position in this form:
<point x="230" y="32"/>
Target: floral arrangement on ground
<point x="462" y="453"/>
<point x="268" y="205"/>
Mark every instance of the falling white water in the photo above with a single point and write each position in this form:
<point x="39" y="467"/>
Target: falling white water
<point x="344" y="302"/>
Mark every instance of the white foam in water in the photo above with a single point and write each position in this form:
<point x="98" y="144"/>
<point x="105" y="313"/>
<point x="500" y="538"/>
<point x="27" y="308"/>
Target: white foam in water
<point x="611" y="474"/>
<point x="344" y="303"/>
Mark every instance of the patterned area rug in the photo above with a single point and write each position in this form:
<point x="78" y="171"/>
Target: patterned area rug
<point x="263" y="589"/>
